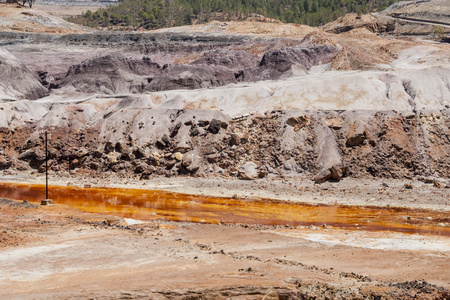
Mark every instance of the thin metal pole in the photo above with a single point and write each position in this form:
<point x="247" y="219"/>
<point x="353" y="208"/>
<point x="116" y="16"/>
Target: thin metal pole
<point x="46" y="167"/>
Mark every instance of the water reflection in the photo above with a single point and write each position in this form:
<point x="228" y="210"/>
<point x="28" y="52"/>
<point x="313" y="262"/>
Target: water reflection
<point x="151" y="205"/>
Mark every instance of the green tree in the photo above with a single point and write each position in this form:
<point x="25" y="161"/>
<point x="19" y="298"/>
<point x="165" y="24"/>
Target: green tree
<point x="438" y="32"/>
<point x="163" y="13"/>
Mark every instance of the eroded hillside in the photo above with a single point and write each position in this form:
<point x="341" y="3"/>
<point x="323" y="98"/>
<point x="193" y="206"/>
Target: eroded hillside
<point x="228" y="100"/>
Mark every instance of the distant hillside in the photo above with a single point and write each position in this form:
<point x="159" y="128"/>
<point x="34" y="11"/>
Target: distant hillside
<point x="152" y="14"/>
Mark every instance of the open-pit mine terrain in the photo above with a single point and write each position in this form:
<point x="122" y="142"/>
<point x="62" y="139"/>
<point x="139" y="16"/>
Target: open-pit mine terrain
<point x="226" y="160"/>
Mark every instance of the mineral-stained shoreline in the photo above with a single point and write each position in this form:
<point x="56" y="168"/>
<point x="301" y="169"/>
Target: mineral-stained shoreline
<point x="58" y="252"/>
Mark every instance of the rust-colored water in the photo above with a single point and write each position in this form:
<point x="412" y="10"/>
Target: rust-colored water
<point x="151" y="205"/>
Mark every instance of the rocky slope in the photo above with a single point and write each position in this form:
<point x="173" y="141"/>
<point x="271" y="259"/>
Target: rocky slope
<point x="179" y="102"/>
<point x="286" y="103"/>
<point x="434" y="11"/>
<point x="16" y="81"/>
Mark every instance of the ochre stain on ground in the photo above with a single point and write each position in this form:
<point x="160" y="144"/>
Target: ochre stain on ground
<point x="153" y="205"/>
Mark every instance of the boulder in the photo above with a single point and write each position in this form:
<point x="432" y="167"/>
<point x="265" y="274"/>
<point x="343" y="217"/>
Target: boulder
<point x="109" y="147"/>
<point x="141" y="168"/>
<point x="153" y="159"/>
<point x="94" y="166"/>
<point x="214" y="126"/>
<point x="163" y="142"/>
<point x="189" y="163"/>
<point x="291" y="165"/>
<point x="42" y="167"/>
<point x="112" y="157"/>
<point x="408" y="186"/>
<point x="4" y="163"/>
<point x="121" y="147"/>
<point x="356" y="135"/>
<point x="178" y="156"/>
<point x="298" y="122"/>
<point x="210" y="150"/>
<point x="337" y="172"/>
<point x="187" y="159"/>
<point x="213" y="158"/>
<point x="33" y="154"/>
<point x="248" y="171"/>
<point x="193" y="168"/>
<point x="327" y="148"/>
<point x="175" y="130"/>
<point x="335" y="123"/>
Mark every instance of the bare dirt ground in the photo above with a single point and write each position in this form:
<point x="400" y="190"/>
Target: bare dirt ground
<point x="64" y="11"/>
<point x="16" y="18"/>
<point x="59" y="252"/>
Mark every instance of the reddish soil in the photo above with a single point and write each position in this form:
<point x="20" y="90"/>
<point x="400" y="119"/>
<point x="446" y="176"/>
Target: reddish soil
<point x="60" y="252"/>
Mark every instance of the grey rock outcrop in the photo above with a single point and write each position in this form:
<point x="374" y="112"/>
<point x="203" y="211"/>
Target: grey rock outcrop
<point x="329" y="160"/>
<point x="16" y="81"/>
<point x="111" y="74"/>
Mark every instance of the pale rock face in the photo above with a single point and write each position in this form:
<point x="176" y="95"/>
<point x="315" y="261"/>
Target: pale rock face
<point x="16" y="81"/>
<point x="248" y="171"/>
<point x="15" y="114"/>
<point x="328" y="153"/>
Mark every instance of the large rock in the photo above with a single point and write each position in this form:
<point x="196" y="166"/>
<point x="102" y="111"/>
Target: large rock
<point x="336" y="172"/>
<point x="298" y="122"/>
<point x="291" y="166"/>
<point x="329" y="159"/>
<point x="214" y="126"/>
<point x="4" y="163"/>
<point x="356" y="135"/>
<point x="248" y="171"/>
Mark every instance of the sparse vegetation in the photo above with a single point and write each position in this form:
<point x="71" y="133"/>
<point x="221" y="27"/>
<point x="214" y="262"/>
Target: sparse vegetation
<point x="438" y="32"/>
<point x="152" y="14"/>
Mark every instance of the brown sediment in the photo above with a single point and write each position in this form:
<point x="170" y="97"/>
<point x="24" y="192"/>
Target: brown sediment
<point x="153" y="205"/>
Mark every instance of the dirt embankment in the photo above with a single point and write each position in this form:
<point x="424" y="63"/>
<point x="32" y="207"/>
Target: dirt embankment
<point x="433" y="11"/>
<point x="232" y="106"/>
<point x="148" y="143"/>
<point x="403" y="18"/>
<point x="16" y="18"/>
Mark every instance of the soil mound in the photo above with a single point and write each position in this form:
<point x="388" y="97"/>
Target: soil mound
<point x="432" y="10"/>
<point x="352" y="21"/>
<point x="14" y="17"/>
<point x="110" y="74"/>
<point x="115" y="74"/>
<point x="16" y="81"/>
<point x="16" y="204"/>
